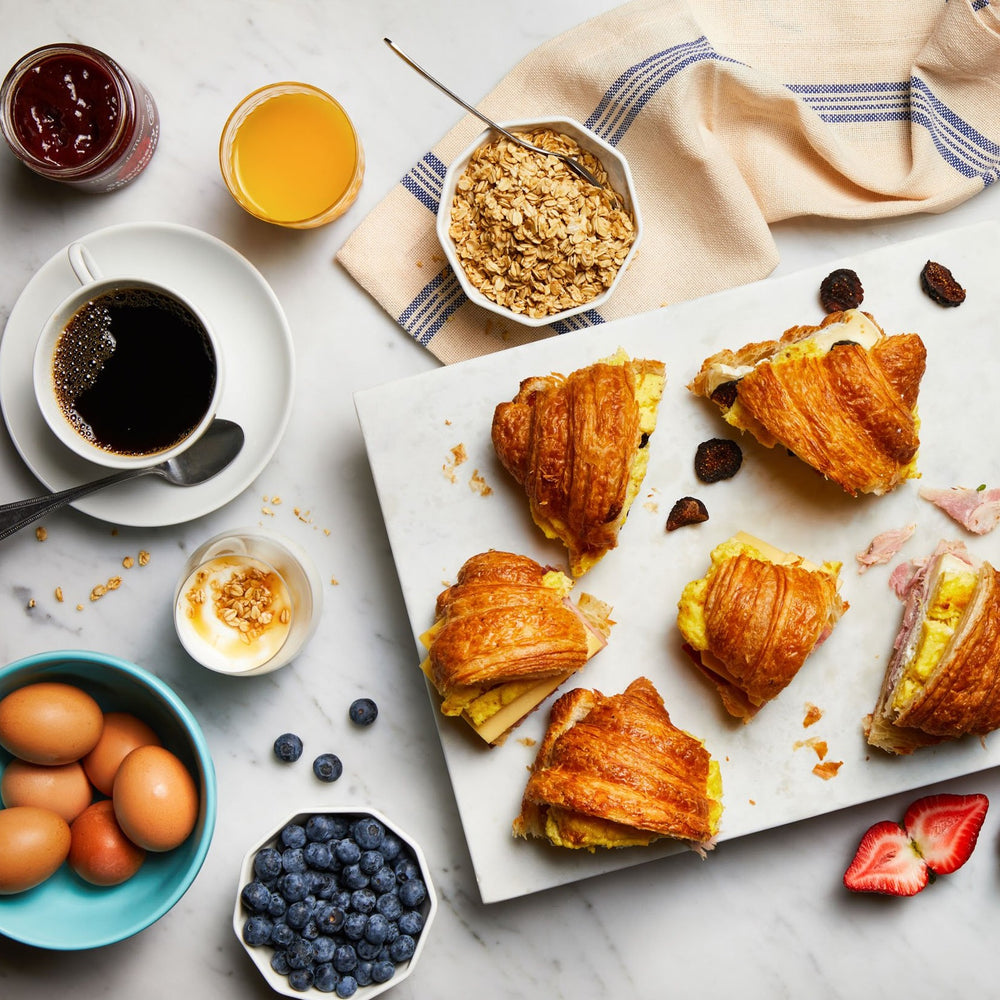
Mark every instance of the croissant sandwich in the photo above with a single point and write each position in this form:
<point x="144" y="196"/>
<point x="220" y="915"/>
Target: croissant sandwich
<point x="615" y="772"/>
<point x="943" y="679"/>
<point x="578" y="447"/>
<point x="505" y="636"/>
<point x="842" y="396"/>
<point x="752" y="621"/>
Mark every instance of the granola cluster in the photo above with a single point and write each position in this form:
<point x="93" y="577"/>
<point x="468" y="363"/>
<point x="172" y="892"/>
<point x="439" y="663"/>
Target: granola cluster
<point x="530" y="234"/>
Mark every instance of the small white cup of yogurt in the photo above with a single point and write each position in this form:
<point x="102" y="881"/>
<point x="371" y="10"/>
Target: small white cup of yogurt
<point x="247" y="602"/>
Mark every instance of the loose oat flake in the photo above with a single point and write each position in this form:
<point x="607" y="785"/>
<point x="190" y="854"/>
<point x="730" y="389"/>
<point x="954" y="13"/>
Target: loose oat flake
<point x="530" y="234"/>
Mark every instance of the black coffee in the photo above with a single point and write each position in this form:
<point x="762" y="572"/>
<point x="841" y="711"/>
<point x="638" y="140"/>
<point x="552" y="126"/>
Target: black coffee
<point x="134" y="371"/>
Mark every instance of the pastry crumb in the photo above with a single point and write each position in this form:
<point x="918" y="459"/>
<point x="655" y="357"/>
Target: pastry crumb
<point x="128" y="562"/>
<point x="59" y="594"/>
<point x="479" y="485"/>
<point x="812" y="716"/>
<point x="41" y="534"/>
<point x="334" y="582"/>
<point x="828" y="769"/>
<point x="818" y="745"/>
<point x="143" y="557"/>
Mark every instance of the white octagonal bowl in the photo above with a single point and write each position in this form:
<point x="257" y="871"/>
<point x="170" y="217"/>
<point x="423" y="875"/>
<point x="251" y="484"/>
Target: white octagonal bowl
<point x="261" y="954"/>
<point x="619" y="176"/>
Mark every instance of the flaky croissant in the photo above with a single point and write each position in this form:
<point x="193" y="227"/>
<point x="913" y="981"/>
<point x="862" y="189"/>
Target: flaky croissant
<point x="943" y="680"/>
<point x="752" y="621"/>
<point x="505" y="636"/>
<point x="842" y="396"/>
<point x="615" y="772"/>
<point x="578" y="447"/>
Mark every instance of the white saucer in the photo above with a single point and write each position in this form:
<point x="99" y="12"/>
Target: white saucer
<point x="255" y="338"/>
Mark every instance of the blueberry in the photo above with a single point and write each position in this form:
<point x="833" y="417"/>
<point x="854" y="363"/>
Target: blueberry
<point x="412" y="893"/>
<point x="279" y="962"/>
<point x="368" y="832"/>
<point x="363" y="712"/>
<point x="267" y="863"/>
<point x="382" y="971"/>
<point x="256" y="930"/>
<point x="318" y="855"/>
<point x="300" y="953"/>
<point x="293" y="859"/>
<point x="293" y="835"/>
<point x="353" y="878"/>
<point x="324" y="886"/>
<point x="281" y="934"/>
<point x="384" y="880"/>
<point x="327" y="767"/>
<point x="323" y="948"/>
<point x="325" y="977"/>
<point x="402" y="948"/>
<point x="411" y="922"/>
<point x="407" y="868"/>
<point x="288" y="747"/>
<point x="347" y="852"/>
<point x="389" y="906"/>
<point x="311" y="930"/>
<point x="345" y="958"/>
<point x="255" y="896"/>
<point x="347" y="986"/>
<point x="377" y="929"/>
<point x="320" y="827"/>
<point x="341" y="898"/>
<point x="298" y="915"/>
<point x="370" y="862"/>
<point x="300" y="979"/>
<point x="367" y="951"/>
<point x="363" y="901"/>
<point x="276" y="905"/>
<point x="354" y="926"/>
<point x="330" y="918"/>
<point x="363" y="973"/>
<point x="293" y="887"/>
<point x="391" y="846"/>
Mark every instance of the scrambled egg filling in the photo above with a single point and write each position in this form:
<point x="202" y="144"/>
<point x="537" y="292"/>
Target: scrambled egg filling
<point x="952" y="593"/>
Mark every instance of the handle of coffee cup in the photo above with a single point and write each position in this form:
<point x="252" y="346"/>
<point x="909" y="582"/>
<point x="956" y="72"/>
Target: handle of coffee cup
<point x="81" y="260"/>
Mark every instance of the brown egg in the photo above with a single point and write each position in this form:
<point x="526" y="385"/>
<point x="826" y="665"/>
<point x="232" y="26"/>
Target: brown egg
<point x="33" y="844"/>
<point x="63" y="788"/>
<point x="99" y="852"/>
<point x="156" y="799"/>
<point x="122" y="733"/>
<point x="49" y="723"/>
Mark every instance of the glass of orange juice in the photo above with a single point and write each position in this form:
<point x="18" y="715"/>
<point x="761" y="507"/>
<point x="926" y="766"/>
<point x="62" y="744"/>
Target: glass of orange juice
<point x="290" y="155"/>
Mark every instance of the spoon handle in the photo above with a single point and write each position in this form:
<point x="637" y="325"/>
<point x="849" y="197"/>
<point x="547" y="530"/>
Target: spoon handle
<point x="14" y="516"/>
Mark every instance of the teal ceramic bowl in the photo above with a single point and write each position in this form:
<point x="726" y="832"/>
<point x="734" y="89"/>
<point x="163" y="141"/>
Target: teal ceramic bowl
<point x="65" y="913"/>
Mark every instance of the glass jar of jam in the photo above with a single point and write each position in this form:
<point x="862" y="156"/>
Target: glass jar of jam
<point x="72" y="114"/>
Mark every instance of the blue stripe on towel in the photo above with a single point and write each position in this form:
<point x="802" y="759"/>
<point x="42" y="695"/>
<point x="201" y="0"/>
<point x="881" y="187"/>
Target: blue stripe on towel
<point x="958" y="143"/>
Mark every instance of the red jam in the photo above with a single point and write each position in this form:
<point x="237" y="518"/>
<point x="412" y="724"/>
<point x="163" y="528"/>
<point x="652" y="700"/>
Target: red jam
<point x="72" y="114"/>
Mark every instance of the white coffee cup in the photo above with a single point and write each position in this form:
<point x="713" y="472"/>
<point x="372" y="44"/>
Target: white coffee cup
<point x="127" y="371"/>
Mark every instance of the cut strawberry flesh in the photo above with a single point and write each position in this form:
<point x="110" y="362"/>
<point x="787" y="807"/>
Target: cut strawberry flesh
<point x="887" y="862"/>
<point x="945" y="828"/>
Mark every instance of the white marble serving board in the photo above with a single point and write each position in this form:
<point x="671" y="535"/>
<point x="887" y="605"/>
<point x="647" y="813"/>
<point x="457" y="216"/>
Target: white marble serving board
<point x="436" y="519"/>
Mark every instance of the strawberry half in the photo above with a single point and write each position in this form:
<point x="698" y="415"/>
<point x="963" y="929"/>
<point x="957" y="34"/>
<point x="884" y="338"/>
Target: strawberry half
<point x="945" y="828"/>
<point x="887" y="862"/>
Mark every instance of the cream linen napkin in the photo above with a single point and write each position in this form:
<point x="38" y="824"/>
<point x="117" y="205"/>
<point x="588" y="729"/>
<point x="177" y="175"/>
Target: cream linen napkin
<point x="732" y="116"/>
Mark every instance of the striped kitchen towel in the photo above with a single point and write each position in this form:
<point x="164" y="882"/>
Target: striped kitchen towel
<point x="732" y="116"/>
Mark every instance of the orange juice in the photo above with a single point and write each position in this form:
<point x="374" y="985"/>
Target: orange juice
<point x="290" y="155"/>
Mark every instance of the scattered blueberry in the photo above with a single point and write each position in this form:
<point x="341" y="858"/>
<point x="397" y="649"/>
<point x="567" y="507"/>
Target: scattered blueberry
<point x="327" y="767"/>
<point x="363" y="712"/>
<point x="288" y="747"/>
<point x="339" y="902"/>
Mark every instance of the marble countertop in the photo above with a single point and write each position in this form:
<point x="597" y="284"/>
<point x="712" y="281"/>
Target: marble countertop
<point x="765" y="916"/>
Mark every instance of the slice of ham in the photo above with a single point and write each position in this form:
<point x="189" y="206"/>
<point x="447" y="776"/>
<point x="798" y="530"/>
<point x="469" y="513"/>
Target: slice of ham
<point x="883" y="547"/>
<point x="977" y="511"/>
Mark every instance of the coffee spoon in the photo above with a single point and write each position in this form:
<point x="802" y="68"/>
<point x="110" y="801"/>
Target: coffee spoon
<point x="578" y="168"/>
<point x="207" y="457"/>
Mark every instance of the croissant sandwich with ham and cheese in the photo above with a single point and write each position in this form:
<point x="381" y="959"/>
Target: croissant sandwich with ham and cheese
<point x="578" y="445"/>
<point x="505" y="636"/>
<point x="842" y="396"/>
<point x="614" y="771"/>
<point x="943" y="679"/>
<point x="752" y="621"/>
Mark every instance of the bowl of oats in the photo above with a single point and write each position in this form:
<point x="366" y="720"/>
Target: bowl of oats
<point x="527" y="238"/>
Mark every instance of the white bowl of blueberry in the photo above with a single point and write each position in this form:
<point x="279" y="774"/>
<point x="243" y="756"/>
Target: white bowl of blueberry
<point x="336" y="900"/>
